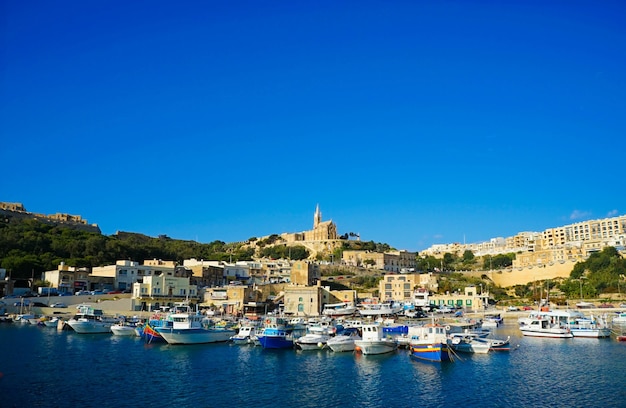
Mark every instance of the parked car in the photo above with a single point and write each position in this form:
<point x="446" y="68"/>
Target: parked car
<point x="82" y="292"/>
<point x="24" y="302"/>
<point x="59" y="304"/>
<point x="113" y="292"/>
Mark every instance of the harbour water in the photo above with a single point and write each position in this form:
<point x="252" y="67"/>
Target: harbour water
<point x="41" y="367"/>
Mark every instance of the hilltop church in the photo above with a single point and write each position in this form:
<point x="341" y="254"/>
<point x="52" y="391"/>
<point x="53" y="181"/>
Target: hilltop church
<point x="322" y="230"/>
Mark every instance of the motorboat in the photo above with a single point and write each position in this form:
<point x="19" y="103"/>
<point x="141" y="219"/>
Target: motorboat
<point x="89" y="320"/>
<point x="373" y="341"/>
<point x="429" y="342"/>
<point x="193" y="328"/>
<point x="344" y="340"/>
<point x="466" y="343"/>
<point x="244" y="335"/>
<point x="592" y="326"/>
<point x="339" y="309"/>
<point x="544" y="327"/>
<point x="380" y="309"/>
<point x="123" y="329"/>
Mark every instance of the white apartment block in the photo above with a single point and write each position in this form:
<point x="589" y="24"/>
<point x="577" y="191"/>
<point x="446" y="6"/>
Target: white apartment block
<point x="588" y="236"/>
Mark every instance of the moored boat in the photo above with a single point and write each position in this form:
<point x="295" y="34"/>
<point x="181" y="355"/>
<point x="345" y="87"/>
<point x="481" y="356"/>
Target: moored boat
<point x="544" y="327"/>
<point x="193" y="328"/>
<point x="339" y="309"/>
<point x="373" y="341"/>
<point x="429" y="342"/>
<point x="344" y="340"/>
<point x="89" y="320"/>
<point x="278" y="333"/>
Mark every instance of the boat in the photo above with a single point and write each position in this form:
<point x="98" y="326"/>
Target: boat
<point x="123" y="329"/>
<point x="317" y="334"/>
<point x="23" y="318"/>
<point x="89" y="320"/>
<point x="245" y="334"/>
<point x="429" y="342"/>
<point x="339" y="309"/>
<point x="491" y="321"/>
<point x="595" y="327"/>
<point x="344" y="340"/>
<point x="476" y="343"/>
<point x="544" y="327"/>
<point x="193" y="328"/>
<point x="278" y="333"/>
<point x="373" y="341"/>
<point x="467" y="343"/>
<point x="619" y="318"/>
<point x="379" y="309"/>
<point x="51" y="322"/>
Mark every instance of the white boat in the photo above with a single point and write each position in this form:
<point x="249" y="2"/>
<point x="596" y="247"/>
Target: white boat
<point x="544" y="327"/>
<point x="373" y="341"/>
<point x="51" y="322"/>
<point x="122" y="329"/>
<point x="595" y="327"/>
<point x="193" y="328"/>
<point x="476" y="343"/>
<point x="379" y="309"/>
<point x="585" y="305"/>
<point x="89" y="320"/>
<point x="23" y="318"/>
<point x="492" y="321"/>
<point x="344" y="341"/>
<point x="469" y="344"/>
<point x="317" y="334"/>
<point x="619" y="318"/>
<point x="245" y="335"/>
<point x="339" y="309"/>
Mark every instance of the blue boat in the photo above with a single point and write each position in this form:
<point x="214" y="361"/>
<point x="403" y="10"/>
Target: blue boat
<point x="278" y="333"/>
<point x="429" y="342"/>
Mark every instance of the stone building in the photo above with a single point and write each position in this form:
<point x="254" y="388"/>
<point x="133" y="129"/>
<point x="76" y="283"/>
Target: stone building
<point x="392" y="261"/>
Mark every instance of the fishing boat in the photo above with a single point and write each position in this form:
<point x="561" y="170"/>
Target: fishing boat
<point x="339" y="309"/>
<point x="89" y="320"/>
<point x="317" y="334"/>
<point x="373" y="341"/>
<point x="193" y="328"/>
<point x="429" y="342"/>
<point x="278" y="333"/>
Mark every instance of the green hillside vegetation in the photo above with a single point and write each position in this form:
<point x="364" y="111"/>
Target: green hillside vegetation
<point x="30" y="247"/>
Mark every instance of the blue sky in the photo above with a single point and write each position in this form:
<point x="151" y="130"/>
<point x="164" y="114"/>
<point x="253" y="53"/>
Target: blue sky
<point x="409" y="122"/>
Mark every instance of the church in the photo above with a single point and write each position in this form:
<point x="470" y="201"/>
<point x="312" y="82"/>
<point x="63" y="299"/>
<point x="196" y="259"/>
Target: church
<point x="322" y="230"/>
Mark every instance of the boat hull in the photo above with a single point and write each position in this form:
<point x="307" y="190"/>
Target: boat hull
<point x="436" y="352"/>
<point x="120" y="330"/>
<point x="275" y="342"/>
<point x="561" y="334"/>
<point x="195" y="336"/>
<point x="89" y="327"/>
<point x="375" y="347"/>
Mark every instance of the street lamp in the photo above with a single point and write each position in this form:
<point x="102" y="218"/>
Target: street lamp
<point x="581" y="287"/>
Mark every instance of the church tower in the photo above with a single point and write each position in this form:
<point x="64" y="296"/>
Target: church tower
<point x="317" y="218"/>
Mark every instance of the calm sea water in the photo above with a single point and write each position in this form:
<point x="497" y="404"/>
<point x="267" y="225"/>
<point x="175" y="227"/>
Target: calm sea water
<point x="44" y="368"/>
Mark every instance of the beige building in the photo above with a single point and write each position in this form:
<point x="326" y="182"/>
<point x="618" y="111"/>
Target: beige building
<point x="310" y="300"/>
<point x="400" y="288"/>
<point x="470" y="299"/>
<point x="305" y="273"/>
<point x="68" y="279"/>
<point x="125" y="273"/>
<point x="393" y="261"/>
<point x="164" y="289"/>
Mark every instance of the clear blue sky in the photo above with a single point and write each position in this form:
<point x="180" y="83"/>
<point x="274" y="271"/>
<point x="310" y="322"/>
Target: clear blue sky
<point x="409" y="122"/>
